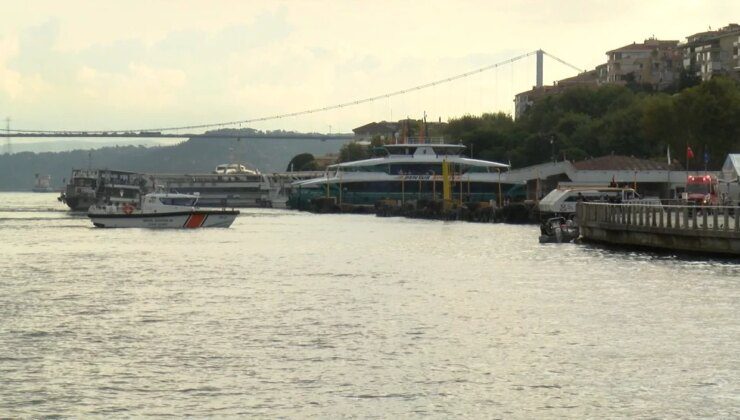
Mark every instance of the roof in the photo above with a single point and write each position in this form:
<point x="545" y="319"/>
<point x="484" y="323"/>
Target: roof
<point x="621" y="163"/>
<point x="648" y="45"/>
<point x="375" y="127"/>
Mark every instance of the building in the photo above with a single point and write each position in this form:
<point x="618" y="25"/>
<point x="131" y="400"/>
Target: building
<point x="654" y="62"/>
<point x="525" y="100"/>
<point x="712" y="53"/>
<point x="383" y="129"/>
<point x="397" y="132"/>
<point x="652" y="178"/>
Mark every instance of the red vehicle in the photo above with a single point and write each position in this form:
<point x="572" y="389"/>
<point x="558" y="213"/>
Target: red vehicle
<point x="702" y="190"/>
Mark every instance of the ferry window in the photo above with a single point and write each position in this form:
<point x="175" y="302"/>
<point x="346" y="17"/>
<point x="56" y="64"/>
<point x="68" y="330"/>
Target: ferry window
<point x="177" y="201"/>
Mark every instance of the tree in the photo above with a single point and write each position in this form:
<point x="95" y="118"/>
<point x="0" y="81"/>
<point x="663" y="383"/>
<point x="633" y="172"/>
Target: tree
<point x="302" y="162"/>
<point x="353" y="151"/>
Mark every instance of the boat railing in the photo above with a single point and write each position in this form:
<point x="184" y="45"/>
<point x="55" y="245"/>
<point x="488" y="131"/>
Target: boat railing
<point x="425" y="140"/>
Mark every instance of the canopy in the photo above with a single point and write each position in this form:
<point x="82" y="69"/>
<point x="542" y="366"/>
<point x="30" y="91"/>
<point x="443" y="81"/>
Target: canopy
<point x="731" y="168"/>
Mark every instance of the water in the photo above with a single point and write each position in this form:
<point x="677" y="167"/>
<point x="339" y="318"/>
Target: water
<point x="289" y="314"/>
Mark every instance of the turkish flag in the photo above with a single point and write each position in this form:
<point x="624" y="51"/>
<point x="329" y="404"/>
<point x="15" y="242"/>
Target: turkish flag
<point x="689" y="153"/>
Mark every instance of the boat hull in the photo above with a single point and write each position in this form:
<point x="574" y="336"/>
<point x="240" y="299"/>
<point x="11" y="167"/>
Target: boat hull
<point x="180" y="220"/>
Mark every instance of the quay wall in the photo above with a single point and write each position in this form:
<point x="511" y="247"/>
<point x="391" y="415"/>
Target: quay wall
<point x="709" y="230"/>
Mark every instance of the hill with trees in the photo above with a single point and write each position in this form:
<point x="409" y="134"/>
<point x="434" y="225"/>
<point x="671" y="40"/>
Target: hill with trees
<point x="202" y="154"/>
<point x="589" y="122"/>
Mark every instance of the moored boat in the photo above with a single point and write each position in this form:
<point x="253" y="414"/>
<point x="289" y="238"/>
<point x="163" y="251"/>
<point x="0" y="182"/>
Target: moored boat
<point x="161" y="210"/>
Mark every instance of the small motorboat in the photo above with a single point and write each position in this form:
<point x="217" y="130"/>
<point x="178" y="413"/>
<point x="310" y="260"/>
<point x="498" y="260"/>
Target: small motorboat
<point x="558" y="230"/>
<point x="160" y="210"/>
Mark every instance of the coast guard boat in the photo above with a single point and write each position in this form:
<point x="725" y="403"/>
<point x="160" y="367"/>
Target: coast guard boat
<point x="160" y="210"/>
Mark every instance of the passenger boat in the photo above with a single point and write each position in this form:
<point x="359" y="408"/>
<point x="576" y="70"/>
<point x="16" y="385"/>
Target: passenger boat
<point x="160" y="210"/>
<point x="90" y="186"/>
<point x="231" y="185"/>
<point x="407" y="171"/>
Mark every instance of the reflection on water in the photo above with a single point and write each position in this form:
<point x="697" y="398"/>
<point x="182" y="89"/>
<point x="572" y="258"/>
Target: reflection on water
<point x="292" y="314"/>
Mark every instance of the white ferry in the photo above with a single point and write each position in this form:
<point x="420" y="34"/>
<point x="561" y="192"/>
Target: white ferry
<point x="232" y="185"/>
<point x="160" y="210"/>
<point x="407" y="171"/>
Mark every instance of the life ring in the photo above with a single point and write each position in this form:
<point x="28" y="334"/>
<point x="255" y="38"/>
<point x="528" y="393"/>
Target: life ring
<point x="128" y="208"/>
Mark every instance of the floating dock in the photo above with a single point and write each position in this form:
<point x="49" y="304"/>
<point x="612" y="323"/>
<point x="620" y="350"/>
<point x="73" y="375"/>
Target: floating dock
<point x="684" y="228"/>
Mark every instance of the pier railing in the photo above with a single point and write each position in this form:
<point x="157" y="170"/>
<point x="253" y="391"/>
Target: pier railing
<point x="664" y="217"/>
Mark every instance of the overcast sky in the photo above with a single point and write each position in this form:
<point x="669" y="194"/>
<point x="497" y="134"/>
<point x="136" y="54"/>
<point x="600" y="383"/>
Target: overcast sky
<point x="147" y="64"/>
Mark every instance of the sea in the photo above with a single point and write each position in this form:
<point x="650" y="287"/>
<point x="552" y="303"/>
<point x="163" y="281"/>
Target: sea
<point x="294" y="315"/>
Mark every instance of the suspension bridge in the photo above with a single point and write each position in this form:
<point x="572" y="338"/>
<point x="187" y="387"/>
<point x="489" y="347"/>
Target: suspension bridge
<point x="197" y="130"/>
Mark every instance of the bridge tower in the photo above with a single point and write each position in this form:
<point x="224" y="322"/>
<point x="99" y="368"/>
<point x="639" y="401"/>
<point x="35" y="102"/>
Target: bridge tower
<point x="540" y="54"/>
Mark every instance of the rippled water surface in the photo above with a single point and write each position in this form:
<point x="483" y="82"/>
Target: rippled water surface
<point x="295" y="315"/>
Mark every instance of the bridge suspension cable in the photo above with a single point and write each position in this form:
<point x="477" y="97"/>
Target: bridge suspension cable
<point x="321" y="109"/>
<point x="563" y="62"/>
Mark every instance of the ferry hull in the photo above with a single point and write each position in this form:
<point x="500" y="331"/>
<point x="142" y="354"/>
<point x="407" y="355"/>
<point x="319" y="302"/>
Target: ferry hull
<point x="187" y="220"/>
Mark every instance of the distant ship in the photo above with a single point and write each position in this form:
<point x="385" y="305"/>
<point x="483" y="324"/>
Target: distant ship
<point x="42" y="184"/>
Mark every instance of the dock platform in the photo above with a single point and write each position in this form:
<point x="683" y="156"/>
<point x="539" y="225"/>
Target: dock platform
<point x="685" y="228"/>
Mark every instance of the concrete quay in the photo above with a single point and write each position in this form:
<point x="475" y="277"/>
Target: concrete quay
<point x="692" y="229"/>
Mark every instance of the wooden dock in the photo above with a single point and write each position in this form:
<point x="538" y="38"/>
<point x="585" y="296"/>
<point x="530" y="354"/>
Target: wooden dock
<point x="710" y="230"/>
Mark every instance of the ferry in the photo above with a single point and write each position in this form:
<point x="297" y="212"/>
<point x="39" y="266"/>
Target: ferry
<point x="232" y="185"/>
<point x="89" y="186"/>
<point x="407" y="171"/>
<point x="160" y="210"/>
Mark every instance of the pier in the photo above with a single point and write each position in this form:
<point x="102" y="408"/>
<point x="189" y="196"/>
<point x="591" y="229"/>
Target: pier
<point x="685" y="228"/>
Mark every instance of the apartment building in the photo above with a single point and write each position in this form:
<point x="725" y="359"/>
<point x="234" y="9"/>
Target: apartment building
<point x="712" y="53"/>
<point x="654" y="62"/>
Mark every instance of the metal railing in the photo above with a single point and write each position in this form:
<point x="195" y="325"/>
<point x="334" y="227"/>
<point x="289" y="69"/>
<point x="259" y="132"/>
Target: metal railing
<point x="666" y="217"/>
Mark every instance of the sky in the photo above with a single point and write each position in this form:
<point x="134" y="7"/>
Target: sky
<point x="133" y="65"/>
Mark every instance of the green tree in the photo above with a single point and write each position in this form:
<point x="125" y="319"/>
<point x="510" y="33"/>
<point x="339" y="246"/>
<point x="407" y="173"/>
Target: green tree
<point x="302" y="162"/>
<point x="353" y="151"/>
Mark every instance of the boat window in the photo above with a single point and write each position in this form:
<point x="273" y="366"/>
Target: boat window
<point x="447" y="151"/>
<point x="177" y="201"/>
<point x="415" y="168"/>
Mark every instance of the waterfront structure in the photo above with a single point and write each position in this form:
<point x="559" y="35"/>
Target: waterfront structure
<point x="712" y="53"/>
<point x="654" y="62"/>
<point x="408" y="172"/>
<point x="685" y="228"/>
<point x="650" y="178"/>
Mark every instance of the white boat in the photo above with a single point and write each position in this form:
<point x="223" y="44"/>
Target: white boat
<point x="232" y="185"/>
<point x="408" y="171"/>
<point x="562" y="201"/>
<point x="160" y="210"/>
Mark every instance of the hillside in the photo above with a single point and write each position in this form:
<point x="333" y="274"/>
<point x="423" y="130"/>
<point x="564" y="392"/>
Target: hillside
<point x="17" y="171"/>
